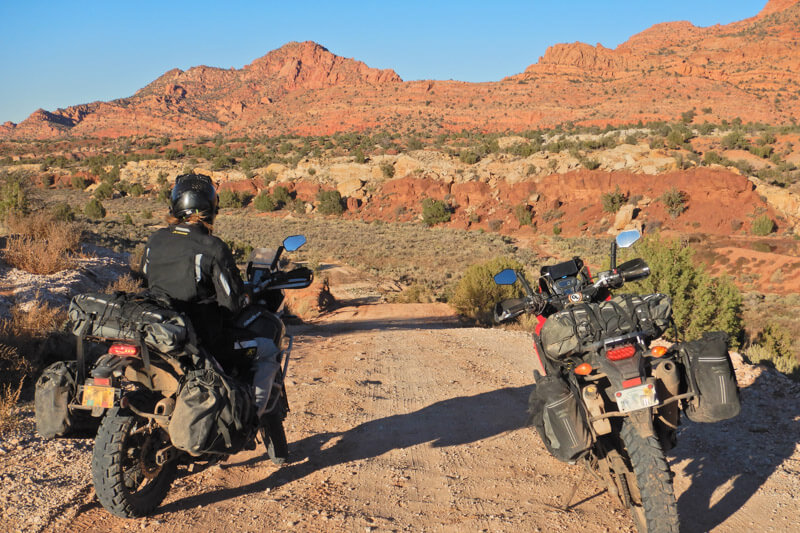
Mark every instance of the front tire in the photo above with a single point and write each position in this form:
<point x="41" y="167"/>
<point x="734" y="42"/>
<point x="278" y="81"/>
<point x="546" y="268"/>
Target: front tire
<point x="126" y="478"/>
<point x="656" y="510"/>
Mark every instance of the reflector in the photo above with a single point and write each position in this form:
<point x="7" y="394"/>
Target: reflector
<point x="583" y="369"/>
<point x="658" y="351"/>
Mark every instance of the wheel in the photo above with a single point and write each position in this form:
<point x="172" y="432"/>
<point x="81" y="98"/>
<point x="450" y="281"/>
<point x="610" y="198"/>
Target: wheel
<point x="128" y="481"/>
<point x="274" y="438"/>
<point x="652" y="497"/>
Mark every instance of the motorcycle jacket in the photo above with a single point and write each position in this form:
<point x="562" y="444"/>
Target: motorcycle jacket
<point x="196" y="272"/>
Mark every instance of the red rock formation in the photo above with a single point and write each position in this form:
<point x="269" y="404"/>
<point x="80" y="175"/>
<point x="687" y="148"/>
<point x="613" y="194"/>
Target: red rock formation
<point x="747" y="69"/>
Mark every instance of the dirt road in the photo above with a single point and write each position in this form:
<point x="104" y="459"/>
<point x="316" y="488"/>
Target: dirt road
<point x="403" y="421"/>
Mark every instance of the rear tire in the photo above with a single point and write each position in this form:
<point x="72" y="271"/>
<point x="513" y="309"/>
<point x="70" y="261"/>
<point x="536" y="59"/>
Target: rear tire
<point x="656" y="511"/>
<point x="126" y="478"/>
<point x="274" y="437"/>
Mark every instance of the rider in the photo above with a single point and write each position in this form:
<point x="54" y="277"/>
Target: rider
<point x="195" y="270"/>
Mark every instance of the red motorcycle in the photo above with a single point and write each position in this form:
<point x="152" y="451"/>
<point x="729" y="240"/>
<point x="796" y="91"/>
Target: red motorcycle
<point x="605" y="395"/>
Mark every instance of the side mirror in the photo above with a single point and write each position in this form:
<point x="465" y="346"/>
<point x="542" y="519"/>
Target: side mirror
<point x="506" y="277"/>
<point x="627" y="238"/>
<point x="290" y="244"/>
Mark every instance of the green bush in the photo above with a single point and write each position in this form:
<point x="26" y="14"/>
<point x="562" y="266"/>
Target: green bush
<point x="264" y="202"/>
<point x="612" y="201"/>
<point x="523" y="214"/>
<point x="63" y="212"/>
<point x="137" y="189"/>
<point x="330" y="203"/>
<point x="127" y="220"/>
<point x="281" y="196"/>
<point x="675" y="202"/>
<point x="13" y="196"/>
<point x="387" y="169"/>
<point x="78" y="182"/>
<point x="94" y="209"/>
<point x="762" y="225"/>
<point x="435" y="211"/>
<point x="476" y="293"/>
<point x="773" y="346"/>
<point x="229" y="198"/>
<point x="700" y="302"/>
<point x="104" y="191"/>
<point x="469" y="157"/>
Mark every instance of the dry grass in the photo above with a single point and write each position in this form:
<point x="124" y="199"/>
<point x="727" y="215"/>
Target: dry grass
<point x="40" y="244"/>
<point x="124" y="283"/>
<point x="13" y="370"/>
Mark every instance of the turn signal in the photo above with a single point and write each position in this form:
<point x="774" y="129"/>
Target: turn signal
<point x="583" y="369"/>
<point x="124" y="349"/>
<point x="658" y="351"/>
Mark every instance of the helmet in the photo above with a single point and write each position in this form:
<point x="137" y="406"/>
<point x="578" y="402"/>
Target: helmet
<point x="194" y="193"/>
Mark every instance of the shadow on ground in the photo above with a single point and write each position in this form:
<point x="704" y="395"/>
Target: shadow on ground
<point x="450" y="422"/>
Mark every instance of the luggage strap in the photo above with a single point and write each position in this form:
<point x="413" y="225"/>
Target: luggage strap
<point x="80" y="357"/>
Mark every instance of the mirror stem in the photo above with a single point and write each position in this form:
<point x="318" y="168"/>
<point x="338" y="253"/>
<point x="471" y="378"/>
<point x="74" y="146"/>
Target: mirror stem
<point x="613" y="255"/>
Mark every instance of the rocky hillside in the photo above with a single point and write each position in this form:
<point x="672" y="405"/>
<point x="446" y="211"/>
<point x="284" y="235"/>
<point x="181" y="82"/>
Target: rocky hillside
<point x="745" y="69"/>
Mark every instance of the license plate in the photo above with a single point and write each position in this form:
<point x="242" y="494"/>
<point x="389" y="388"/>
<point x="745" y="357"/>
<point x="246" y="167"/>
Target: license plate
<point x="94" y="396"/>
<point x="636" y="398"/>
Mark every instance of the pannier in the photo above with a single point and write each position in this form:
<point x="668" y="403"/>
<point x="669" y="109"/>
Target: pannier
<point x="55" y="390"/>
<point x="568" y="331"/>
<point x="210" y="410"/>
<point x="126" y="316"/>
<point x="711" y="373"/>
<point x="558" y="418"/>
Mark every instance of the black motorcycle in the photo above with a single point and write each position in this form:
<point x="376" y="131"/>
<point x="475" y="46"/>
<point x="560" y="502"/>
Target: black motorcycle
<point x="152" y="367"/>
<point x="605" y="396"/>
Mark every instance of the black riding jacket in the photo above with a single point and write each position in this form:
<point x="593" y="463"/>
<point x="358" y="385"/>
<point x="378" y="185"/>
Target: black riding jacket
<point x="196" y="271"/>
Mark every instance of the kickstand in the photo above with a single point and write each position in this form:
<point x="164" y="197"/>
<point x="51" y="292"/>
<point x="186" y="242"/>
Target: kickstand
<point x="566" y="506"/>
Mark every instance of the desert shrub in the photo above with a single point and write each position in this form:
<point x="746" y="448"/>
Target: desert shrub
<point x="495" y="224"/>
<point x="590" y="164"/>
<point x="330" y="203"/>
<point x="435" y="211"/>
<point x="359" y="157"/>
<point x="675" y="202"/>
<point x="94" y="209"/>
<point x="281" y="196"/>
<point x="62" y="212"/>
<point x="612" y="201"/>
<point x="387" y="169"/>
<point x="103" y="191"/>
<point x="230" y="199"/>
<point x="762" y="225"/>
<point x="124" y="283"/>
<point x="78" y="182"/>
<point x="13" y="195"/>
<point x="241" y="251"/>
<point x="557" y="229"/>
<point x="523" y="214"/>
<point x="713" y="158"/>
<point x="476" y="293"/>
<point x="268" y="178"/>
<point x="222" y="162"/>
<point x="40" y="244"/>
<point x="469" y="157"/>
<point x="773" y="346"/>
<point x="13" y="370"/>
<point x="700" y="302"/>
<point x="137" y="189"/>
<point x="265" y="203"/>
<point x="416" y="293"/>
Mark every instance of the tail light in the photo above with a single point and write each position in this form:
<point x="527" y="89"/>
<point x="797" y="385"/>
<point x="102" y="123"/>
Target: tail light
<point x="622" y="352"/>
<point x="125" y="350"/>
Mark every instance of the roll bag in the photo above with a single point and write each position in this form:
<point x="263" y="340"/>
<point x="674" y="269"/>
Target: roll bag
<point x="710" y="372"/>
<point x="568" y="331"/>
<point x="210" y="412"/>
<point x="558" y="418"/>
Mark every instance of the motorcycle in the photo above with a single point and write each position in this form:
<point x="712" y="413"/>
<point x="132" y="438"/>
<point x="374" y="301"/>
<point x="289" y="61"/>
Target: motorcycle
<point x="136" y="384"/>
<point x="617" y="398"/>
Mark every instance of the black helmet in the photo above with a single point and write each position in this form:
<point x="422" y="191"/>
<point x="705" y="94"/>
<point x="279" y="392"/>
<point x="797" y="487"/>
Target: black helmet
<point x="194" y="193"/>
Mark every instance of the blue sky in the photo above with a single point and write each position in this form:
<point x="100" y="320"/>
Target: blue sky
<point x="60" y="53"/>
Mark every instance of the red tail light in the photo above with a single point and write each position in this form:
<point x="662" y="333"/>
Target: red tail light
<point x="124" y="350"/>
<point x="620" y="353"/>
<point x="102" y="381"/>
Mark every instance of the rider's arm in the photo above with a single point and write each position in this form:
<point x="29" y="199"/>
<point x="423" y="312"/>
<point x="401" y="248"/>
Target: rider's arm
<point x="228" y="285"/>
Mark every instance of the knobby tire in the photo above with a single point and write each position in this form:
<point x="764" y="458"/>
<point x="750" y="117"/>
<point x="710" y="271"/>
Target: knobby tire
<point x="654" y="480"/>
<point x="118" y="480"/>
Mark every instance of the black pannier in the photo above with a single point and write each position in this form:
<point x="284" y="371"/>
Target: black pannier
<point x="568" y="331"/>
<point x="55" y="389"/>
<point x="127" y="316"/>
<point x="210" y="411"/>
<point x="557" y="416"/>
<point x="711" y="373"/>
